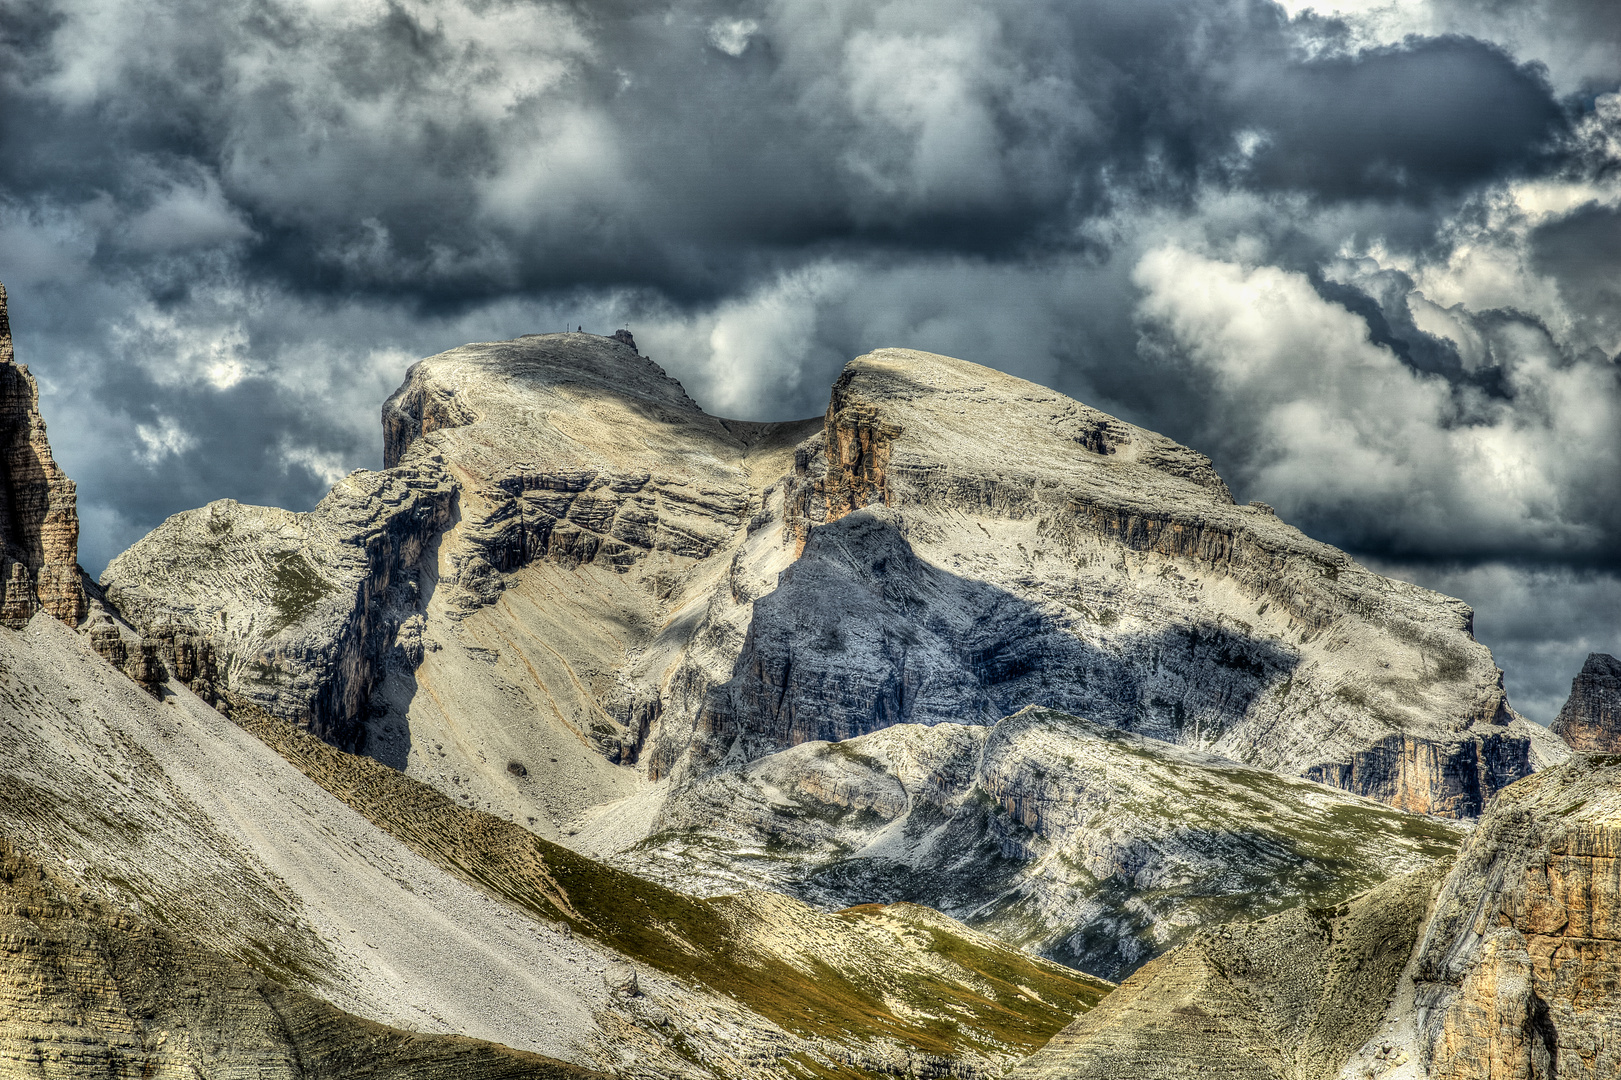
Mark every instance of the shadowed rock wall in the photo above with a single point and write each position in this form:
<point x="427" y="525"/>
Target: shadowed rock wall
<point x="39" y="519"/>
<point x="1591" y="719"/>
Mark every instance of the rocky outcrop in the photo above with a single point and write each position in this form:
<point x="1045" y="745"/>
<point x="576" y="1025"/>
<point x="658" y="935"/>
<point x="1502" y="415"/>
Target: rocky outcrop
<point x="1590" y="720"/>
<point x="599" y="565"/>
<point x="970" y="543"/>
<point x="39" y="519"/>
<point x="1093" y="847"/>
<point x="1513" y="972"/>
<point x="1290" y="997"/>
<point x="89" y="990"/>
<point x="299" y="610"/>
<point x="1519" y="971"/>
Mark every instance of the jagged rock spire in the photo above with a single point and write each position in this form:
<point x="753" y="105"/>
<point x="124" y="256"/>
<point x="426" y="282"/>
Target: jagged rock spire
<point x="1591" y="719"/>
<point x="39" y="517"/>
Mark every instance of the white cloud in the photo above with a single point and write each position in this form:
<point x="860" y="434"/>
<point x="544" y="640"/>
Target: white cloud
<point x="732" y="36"/>
<point x="165" y="439"/>
<point x="1331" y="423"/>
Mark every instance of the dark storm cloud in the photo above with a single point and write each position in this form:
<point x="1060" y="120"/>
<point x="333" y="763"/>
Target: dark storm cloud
<point x="1420" y="119"/>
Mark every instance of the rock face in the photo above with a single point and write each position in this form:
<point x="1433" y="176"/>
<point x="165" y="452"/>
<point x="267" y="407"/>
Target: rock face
<point x="1519" y="971"/>
<point x="973" y="543"/>
<point x="1591" y="718"/>
<point x="1091" y="846"/>
<point x="39" y="518"/>
<point x="301" y="609"/>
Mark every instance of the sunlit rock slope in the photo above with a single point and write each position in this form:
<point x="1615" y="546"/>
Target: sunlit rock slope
<point x="571" y="581"/>
<point x="189" y="850"/>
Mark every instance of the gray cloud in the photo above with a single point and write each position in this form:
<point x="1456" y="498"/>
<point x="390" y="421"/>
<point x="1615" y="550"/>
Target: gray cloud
<point x="1363" y="259"/>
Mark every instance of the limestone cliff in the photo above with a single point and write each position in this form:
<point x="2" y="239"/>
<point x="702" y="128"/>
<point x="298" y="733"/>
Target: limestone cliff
<point x="1519" y="970"/>
<point x="39" y="518"/>
<point x="569" y="568"/>
<point x="1590" y="720"/>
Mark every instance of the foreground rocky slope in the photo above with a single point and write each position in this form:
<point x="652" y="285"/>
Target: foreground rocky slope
<point x="1509" y="966"/>
<point x="1091" y="846"/>
<point x="1291" y="997"/>
<point x="1590" y="720"/>
<point x="571" y="577"/>
<point x="89" y="989"/>
<point x="444" y="921"/>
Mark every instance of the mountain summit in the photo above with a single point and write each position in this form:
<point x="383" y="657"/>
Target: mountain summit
<point x="568" y="559"/>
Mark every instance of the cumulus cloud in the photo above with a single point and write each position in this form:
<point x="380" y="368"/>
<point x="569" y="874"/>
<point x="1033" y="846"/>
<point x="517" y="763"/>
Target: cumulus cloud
<point x="1361" y="252"/>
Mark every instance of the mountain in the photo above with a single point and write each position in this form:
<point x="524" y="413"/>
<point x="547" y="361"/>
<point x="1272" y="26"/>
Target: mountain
<point x="1590" y="720"/>
<point x="571" y="581"/>
<point x="1506" y="965"/>
<point x="184" y="894"/>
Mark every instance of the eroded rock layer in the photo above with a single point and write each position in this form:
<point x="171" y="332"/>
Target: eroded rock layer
<point x="1519" y="971"/>
<point x="1590" y="720"/>
<point x="39" y="518"/>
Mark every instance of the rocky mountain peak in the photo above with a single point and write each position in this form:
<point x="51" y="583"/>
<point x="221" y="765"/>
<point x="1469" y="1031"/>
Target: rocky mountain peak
<point x="563" y="533"/>
<point x="1591" y="718"/>
<point x="39" y="519"/>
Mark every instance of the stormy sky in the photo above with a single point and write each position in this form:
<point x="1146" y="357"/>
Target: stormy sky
<point x="1367" y="257"/>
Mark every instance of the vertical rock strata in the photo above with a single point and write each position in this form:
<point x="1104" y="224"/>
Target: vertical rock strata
<point x="1519" y="971"/>
<point x="39" y="520"/>
<point x="1591" y="718"/>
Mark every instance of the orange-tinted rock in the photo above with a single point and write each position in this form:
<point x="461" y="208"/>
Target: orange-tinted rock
<point x="1520" y="973"/>
<point x="39" y="519"/>
<point x="1591" y="719"/>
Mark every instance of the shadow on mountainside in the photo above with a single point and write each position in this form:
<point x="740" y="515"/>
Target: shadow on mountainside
<point x="862" y="634"/>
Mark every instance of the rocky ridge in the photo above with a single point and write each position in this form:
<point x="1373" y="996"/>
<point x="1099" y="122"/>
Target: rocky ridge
<point x="1590" y="720"/>
<point x="39" y="518"/>
<point x="1088" y="845"/>
<point x="605" y="576"/>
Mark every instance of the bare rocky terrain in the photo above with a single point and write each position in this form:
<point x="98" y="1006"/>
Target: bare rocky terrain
<point x="1089" y="845"/>
<point x="568" y="559"/>
<point x="1590" y="720"/>
<point x="187" y="895"/>
<point x="576" y="601"/>
<point x="400" y="786"/>
<point x="1500" y="963"/>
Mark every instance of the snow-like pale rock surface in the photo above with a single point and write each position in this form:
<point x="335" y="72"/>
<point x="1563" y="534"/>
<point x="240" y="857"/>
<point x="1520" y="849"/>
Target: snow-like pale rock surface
<point x="170" y="808"/>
